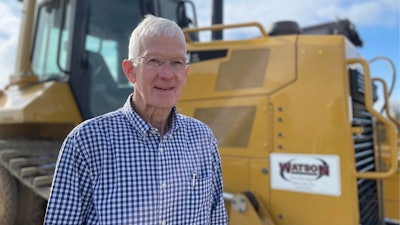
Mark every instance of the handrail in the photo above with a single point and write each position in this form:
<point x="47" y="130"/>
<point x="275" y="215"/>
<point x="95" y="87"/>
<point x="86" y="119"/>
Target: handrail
<point x="393" y="72"/>
<point x="390" y="126"/>
<point x="186" y="31"/>
<point x="386" y="98"/>
<point x="64" y="9"/>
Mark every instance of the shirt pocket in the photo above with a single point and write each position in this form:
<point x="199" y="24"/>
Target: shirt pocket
<point x="200" y="196"/>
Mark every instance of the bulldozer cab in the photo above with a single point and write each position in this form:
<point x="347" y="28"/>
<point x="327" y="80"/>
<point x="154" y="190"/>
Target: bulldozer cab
<point x="84" y="42"/>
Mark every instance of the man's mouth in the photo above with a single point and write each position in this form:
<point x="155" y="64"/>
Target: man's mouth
<point x="164" y="88"/>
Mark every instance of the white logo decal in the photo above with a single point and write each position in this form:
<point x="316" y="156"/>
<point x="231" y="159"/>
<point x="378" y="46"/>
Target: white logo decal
<point x="317" y="174"/>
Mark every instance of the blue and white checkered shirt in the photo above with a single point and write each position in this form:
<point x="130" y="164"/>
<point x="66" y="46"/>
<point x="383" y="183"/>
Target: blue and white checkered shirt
<point x="117" y="169"/>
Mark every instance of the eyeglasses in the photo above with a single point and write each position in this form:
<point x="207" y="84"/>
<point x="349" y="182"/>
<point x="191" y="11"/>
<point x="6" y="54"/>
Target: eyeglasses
<point x="157" y="62"/>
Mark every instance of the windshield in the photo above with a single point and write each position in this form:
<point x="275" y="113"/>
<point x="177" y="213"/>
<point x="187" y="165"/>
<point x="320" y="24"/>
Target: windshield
<point x="49" y="56"/>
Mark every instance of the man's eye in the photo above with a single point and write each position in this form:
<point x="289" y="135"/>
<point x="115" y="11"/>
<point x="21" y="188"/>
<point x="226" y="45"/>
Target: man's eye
<point x="155" y="62"/>
<point x="178" y="62"/>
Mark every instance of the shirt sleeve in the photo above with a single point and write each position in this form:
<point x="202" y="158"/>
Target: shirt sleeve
<point x="70" y="196"/>
<point x="218" y="214"/>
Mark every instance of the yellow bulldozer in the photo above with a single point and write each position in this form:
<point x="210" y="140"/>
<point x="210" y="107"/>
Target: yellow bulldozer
<point x="292" y="109"/>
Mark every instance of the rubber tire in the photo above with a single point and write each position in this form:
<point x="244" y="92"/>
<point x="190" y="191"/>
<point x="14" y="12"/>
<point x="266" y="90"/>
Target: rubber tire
<point x="8" y="197"/>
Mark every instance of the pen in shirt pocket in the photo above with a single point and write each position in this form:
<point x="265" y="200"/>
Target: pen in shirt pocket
<point x="194" y="178"/>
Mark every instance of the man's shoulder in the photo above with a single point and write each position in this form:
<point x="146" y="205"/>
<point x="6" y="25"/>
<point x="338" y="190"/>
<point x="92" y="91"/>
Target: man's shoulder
<point x="99" y="123"/>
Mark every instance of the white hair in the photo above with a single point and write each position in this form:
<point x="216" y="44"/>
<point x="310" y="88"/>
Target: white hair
<point x="152" y="26"/>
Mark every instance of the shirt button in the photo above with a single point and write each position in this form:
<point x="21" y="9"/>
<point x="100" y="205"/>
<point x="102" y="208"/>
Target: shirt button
<point x="164" y="185"/>
<point x="153" y="131"/>
<point x="163" y="222"/>
<point x="161" y="150"/>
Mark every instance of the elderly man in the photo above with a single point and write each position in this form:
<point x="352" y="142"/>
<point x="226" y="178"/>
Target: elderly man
<point x="144" y="163"/>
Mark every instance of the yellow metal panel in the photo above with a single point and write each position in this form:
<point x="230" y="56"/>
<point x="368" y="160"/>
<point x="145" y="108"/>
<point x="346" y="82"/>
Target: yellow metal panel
<point x="311" y="116"/>
<point x="392" y="197"/>
<point x="233" y="126"/>
<point x="204" y="76"/>
<point x="258" y="141"/>
<point x="235" y="172"/>
<point x="49" y="102"/>
<point x="259" y="180"/>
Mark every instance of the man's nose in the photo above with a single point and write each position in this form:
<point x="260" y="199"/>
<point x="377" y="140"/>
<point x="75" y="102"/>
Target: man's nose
<point x="167" y="70"/>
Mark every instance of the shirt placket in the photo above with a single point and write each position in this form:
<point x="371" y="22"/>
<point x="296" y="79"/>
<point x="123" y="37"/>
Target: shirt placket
<point x="163" y="176"/>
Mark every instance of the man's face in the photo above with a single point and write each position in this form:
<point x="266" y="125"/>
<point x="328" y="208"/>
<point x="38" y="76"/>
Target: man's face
<point x="159" y="87"/>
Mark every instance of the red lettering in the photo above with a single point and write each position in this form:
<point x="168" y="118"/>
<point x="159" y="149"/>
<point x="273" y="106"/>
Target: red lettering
<point x="285" y="167"/>
<point x="323" y="170"/>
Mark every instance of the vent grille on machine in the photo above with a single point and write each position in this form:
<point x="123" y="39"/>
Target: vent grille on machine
<point x="364" y="152"/>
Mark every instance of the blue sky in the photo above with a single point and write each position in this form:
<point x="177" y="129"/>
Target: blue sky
<point x="377" y="22"/>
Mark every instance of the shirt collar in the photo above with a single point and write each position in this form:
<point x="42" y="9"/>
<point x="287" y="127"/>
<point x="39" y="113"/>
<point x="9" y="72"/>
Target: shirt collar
<point x="143" y="127"/>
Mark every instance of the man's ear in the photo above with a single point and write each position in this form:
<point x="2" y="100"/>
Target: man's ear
<point x="129" y="70"/>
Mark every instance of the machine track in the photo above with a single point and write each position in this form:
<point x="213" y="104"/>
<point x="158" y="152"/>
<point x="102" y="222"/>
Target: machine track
<point x="32" y="162"/>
